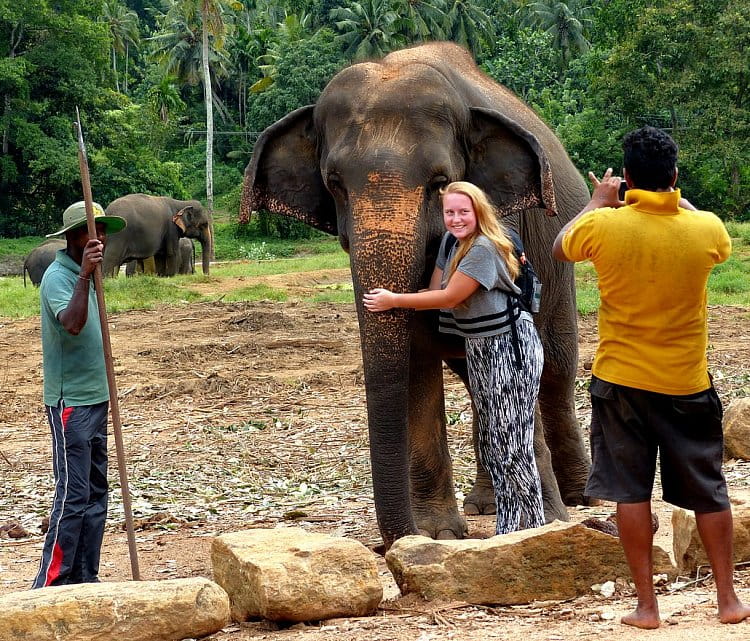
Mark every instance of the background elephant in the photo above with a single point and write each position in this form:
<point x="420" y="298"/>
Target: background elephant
<point x="40" y="258"/>
<point x="155" y="226"/>
<point x="367" y="162"/>
<point x="158" y="265"/>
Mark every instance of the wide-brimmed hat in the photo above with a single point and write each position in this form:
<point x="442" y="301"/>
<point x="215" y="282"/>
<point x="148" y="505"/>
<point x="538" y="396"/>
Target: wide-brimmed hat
<point x="75" y="216"/>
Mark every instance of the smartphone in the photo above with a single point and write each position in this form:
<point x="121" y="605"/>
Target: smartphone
<point x="623" y="189"/>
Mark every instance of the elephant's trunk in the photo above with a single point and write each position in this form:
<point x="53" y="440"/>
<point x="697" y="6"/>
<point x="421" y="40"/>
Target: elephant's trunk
<point x="207" y="243"/>
<point x="384" y="253"/>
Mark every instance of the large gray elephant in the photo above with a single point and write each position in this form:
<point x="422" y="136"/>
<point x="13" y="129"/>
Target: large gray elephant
<point x="155" y="226"/>
<point x="367" y="163"/>
<point x="40" y="258"/>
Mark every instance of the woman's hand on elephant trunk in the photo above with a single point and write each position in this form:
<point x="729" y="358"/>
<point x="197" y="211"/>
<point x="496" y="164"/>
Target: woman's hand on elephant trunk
<point x="379" y="300"/>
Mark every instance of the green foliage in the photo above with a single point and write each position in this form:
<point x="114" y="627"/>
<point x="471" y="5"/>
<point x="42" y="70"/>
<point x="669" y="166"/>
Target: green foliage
<point x="593" y="70"/>
<point x="123" y="160"/>
<point x="53" y="59"/>
<point x="684" y="67"/>
<point x="524" y="61"/>
<point x="567" y="23"/>
<point x="303" y="69"/>
<point x="367" y="29"/>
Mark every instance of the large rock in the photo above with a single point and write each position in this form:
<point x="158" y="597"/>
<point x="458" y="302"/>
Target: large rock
<point x="135" y="610"/>
<point x="288" y="574"/>
<point x="556" y="561"/>
<point x="736" y="427"/>
<point x="686" y="543"/>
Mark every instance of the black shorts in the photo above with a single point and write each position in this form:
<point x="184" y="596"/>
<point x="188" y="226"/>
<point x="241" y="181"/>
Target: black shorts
<point x="629" y="426"/>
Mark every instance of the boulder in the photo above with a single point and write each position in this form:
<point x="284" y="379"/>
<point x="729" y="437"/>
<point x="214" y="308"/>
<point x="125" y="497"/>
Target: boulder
<point x="736" y="425"/>
<point x="556" y="561"/>
<point x="288" y="574"/>
<point x="686" y="543"/>
<point x="133" y="610"/>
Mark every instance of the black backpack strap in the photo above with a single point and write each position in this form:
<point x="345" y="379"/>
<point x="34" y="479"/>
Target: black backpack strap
<point x="517" y="242"/>
<point x="514" y="311"/>
<point x="450" y="243"/>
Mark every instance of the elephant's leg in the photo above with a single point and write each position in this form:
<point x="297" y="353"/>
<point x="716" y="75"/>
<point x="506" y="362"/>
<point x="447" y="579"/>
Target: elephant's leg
<point x="562" y="432"/>
<point x="171" y="263"/>
<point x="148" y="265"/>
<point x="432" y="490"/>
<point x="481" y="499"/>
<point x="554" y="508"/>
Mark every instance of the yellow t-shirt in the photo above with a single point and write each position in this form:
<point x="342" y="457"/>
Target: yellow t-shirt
<point x="653" y="260"/>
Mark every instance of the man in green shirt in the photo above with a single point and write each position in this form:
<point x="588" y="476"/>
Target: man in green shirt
<point x="76" y="399"/>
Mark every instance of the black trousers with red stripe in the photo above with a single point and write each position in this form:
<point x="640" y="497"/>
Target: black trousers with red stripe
<point x="79" y="509"/>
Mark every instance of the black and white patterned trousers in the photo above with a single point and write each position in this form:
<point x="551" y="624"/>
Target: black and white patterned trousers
<point x="504" y="397"/>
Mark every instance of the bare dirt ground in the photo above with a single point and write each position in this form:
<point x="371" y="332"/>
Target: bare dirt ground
<point x="247" y="415"/>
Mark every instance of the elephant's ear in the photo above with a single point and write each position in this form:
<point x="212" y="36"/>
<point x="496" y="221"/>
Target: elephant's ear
<point x="283" y="176"/>
<point x="177" y="219"/>
<point x="509" y="163"/>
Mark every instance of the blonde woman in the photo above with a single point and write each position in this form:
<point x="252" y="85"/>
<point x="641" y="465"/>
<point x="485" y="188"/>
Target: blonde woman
<point x="472" y="285"/>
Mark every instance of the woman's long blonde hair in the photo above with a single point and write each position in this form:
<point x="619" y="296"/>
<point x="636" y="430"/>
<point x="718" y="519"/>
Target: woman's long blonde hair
<point x="488" y="224"/>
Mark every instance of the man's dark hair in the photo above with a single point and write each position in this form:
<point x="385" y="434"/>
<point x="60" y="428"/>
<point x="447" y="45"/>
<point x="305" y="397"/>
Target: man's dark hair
<point x="650" y="157"/>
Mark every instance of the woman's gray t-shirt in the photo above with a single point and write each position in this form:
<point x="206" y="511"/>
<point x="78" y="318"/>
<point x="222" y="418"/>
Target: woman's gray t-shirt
<point x="487" y="311"/>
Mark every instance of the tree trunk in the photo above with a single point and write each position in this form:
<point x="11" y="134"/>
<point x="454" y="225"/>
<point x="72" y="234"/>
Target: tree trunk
<point x="207" y="97"/>
<point x="114" y="69"/>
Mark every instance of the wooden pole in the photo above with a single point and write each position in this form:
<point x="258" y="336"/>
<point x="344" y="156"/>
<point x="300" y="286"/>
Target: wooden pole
<point x="114" y="404"/>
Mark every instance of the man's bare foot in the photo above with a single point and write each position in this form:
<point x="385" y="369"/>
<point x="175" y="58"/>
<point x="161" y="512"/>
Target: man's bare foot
<point x="734" y="613"/>
<point x="641" y="617"/>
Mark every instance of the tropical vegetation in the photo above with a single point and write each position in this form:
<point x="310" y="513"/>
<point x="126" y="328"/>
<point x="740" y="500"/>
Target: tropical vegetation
<point x="173" y="93"/>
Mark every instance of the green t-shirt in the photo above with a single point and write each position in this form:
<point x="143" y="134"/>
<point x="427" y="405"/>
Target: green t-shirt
<point x="74" y="368"/>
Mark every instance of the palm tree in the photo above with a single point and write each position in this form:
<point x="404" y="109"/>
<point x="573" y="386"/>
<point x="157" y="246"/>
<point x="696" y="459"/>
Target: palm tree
<point x="368" y="29"/>
<point x="421" y="19"/>
<point x="189" y="20"/>
<point x="123" y="31"/>
<point x="468" y="25"/>
<point x="566" y="22"/>
<point x="164" y="98"/>
<point x="292" y="29"/>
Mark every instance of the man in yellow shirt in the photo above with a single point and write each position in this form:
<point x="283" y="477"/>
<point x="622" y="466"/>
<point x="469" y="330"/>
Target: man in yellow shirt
<point x="650" y="388"/>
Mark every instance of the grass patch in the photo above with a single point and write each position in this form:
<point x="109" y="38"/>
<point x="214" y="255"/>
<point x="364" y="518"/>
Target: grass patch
<point x="335" y="293"/>
<point x="587" y="290"/>
<point x="729" y="283"/>
<point x="19" y="247"/>
<point x="740" y="233"/>
<point x="257" y="292"/>
<point x="17" y="301"/>
<point x="145" y="292"/>
<point x="338" y="259"/>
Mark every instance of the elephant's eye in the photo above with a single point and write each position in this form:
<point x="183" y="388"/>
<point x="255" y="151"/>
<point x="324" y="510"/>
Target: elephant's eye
<point x="335" y="184"/>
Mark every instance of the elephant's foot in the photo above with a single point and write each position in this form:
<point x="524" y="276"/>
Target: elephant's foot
<point x="553" y="511"/>
<point x="572" y="493"/>
<point x="481" y="499"/>
<point x="442" y="524"/>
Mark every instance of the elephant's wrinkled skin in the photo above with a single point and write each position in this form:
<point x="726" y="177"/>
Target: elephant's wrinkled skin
<point x="40" y="258"/>
<point x="155" y="226"/>
<point x="366" y="162"/>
